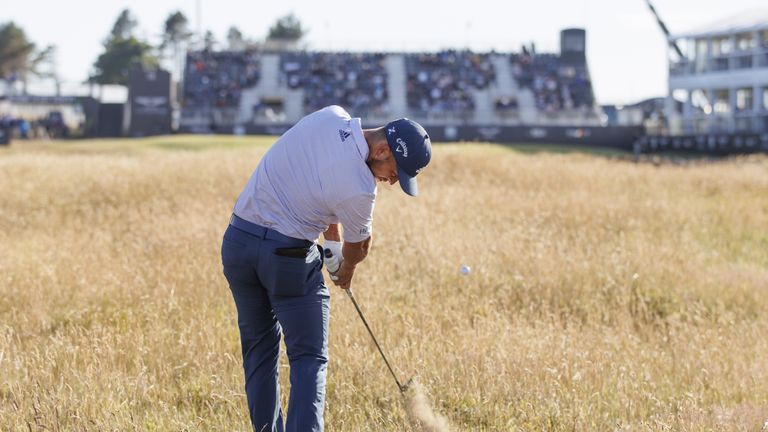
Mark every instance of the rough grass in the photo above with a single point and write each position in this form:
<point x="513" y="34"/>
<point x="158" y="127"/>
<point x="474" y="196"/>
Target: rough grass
<point x="604" y="295"/>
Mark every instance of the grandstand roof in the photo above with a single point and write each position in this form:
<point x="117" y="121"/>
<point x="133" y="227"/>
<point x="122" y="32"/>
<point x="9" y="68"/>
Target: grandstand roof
<point x="742" y="22"/>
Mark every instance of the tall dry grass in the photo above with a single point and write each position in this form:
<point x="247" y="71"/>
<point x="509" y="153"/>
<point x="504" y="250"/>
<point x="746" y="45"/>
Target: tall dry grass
<point x="604" y="295"/>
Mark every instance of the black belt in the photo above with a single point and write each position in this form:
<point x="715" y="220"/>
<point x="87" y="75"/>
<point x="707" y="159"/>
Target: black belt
<point x="264" y="232"/>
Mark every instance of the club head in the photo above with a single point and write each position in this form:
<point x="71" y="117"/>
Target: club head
<point x="406" y="386"/>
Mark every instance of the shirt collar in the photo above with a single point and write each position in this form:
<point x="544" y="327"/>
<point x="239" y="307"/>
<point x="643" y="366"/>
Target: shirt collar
<point x="357" y="133"/>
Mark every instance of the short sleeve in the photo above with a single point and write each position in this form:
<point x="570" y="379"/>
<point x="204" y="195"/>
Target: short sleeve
<point x="356" y="217"/>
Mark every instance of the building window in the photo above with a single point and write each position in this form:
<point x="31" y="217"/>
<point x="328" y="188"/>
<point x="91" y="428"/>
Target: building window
<point x="701" y="48"/>
<point x="680" y="97"/>
<point x="701" y="55"/>
<point x="744" y="99"/>
<point x="722" y="101"/>
<point x="687" y="47"/>
<point x="700" y="102"/>
<point x="765" y="99"/>
<point x="765" y="38"/>
<point x="745" y="42"/>
<point x="721" y="46"/>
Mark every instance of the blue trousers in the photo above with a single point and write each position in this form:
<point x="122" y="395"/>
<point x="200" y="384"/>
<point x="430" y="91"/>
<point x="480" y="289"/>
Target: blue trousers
<point x="278" y="287"/>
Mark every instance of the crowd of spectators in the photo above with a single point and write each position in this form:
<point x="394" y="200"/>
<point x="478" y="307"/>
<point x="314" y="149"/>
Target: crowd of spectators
<point x="556" y="86"/>
<point x="441" y="83"/>
<point x="49" y="126"/>
<point x="356" y="81"/>
<point x="216" y="79"/>
<point x="437" y="84"/>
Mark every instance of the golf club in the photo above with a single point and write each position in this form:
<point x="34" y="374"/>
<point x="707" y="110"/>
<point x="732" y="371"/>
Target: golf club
<point x="401" y="387"/>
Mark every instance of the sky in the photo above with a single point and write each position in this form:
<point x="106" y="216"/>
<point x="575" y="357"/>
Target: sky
<point x="626" y="51"/>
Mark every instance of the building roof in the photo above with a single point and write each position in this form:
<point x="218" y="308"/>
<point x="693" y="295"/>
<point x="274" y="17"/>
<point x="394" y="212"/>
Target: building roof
<point x="742" y="22"/>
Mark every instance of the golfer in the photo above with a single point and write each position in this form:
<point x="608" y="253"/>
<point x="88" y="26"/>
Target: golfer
<point x="322" y="172"/>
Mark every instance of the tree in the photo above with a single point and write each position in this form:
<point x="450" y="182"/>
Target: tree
<point x="176" y="30"/>
<point x="43" y="65"/>
<point x="176" y="35"/>
<point x="124" y="25"/>
<point x="235" y="39"/>
<point x="122" y="52"/>
<point x="209" y="41"/>
<point x="287" y="28"/>
<point x="119" y="57"/>
<point x="15" y="51"/>
<point x="19" y="57"/>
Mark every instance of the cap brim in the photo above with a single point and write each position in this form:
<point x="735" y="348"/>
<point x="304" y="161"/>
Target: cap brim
<point x="407" y="183"/>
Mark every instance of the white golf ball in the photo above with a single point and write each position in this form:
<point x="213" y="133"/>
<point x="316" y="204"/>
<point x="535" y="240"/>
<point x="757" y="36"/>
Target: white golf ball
<point x="464" y="270"/>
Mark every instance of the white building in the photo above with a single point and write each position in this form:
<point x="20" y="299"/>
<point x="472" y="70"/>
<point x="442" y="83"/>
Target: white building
<point x="721" y="86"/>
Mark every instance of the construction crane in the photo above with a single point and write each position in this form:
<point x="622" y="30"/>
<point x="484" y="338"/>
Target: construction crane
<point x="665" y="30"/>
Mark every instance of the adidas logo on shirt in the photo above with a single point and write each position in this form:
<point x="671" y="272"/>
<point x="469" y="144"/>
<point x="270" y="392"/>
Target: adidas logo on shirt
<point x="344" y="134"/>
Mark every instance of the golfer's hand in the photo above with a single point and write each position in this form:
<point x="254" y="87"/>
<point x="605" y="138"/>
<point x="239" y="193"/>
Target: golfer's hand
<point x="332" y="264"/>
<point x="343" y="277"/>
<point x="332" y="252"/>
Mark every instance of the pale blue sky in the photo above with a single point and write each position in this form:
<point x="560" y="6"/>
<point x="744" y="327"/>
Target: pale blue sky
<point x="625" y="48"/>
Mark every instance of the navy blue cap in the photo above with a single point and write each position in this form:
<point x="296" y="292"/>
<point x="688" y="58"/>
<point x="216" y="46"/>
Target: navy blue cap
<point x="412" y="148"/>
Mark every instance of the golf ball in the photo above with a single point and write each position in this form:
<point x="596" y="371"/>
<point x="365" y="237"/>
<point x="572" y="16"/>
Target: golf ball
<point x="464" y="270"/>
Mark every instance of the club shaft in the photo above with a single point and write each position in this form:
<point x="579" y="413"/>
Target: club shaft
<point x="360" y="312"/>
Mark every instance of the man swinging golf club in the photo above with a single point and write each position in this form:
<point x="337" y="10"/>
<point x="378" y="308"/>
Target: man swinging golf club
<point x="321" y="172"/>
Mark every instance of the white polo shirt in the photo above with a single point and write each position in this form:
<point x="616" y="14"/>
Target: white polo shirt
<point x="313" y="176"/>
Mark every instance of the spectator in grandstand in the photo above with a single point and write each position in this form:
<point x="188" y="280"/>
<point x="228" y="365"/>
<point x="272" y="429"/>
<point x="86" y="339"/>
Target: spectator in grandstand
<point x="441" y="83"/>
<point x="356" y="81"/>
<point x="556" y="86"/>
<point x="216" y="79"/>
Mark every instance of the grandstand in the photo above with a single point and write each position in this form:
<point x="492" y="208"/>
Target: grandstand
<point x="720" y="85"/>
<point x="214" y="83"/>
<point x="232" y="91"/>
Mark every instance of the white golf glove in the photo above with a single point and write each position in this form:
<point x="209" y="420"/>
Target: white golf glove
<point x="332" y="252"/>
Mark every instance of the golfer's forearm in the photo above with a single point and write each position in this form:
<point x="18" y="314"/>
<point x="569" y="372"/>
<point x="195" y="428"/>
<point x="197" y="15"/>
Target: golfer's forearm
<point x="354" y="253"/>
<point x="332" y="233"/>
